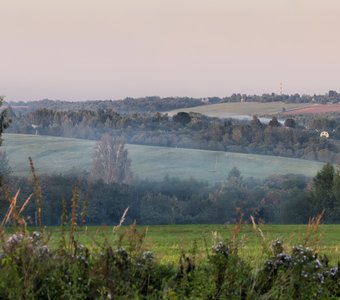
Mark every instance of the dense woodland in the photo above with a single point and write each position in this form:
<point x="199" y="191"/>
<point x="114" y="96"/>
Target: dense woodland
<point x="296" y="138"/>
<point x="278" y="199"/>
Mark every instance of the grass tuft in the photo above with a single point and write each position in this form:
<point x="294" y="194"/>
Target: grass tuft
<point x="37" y="193"/>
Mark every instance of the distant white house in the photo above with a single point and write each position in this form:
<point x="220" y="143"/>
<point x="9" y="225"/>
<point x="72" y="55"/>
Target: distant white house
<point x="324" y="134"/>
<point x="36" y="128"/>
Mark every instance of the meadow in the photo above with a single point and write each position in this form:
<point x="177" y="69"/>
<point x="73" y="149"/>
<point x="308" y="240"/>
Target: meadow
<point x="62" y="155"/>
<point x="168" y="242"/>
<point x="172" y="262"/>
<point x="227" y="110"/>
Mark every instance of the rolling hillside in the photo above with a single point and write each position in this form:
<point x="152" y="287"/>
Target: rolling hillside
<point x="227" y="110"/>
<point x="61" y="155"/>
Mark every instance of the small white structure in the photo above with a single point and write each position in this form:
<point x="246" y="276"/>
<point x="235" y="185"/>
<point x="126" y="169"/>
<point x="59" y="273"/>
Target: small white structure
<point x="36" y="128"/>
<point x="324" y="134"/>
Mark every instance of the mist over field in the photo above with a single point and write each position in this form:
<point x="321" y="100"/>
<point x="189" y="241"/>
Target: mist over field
<point x="181" y="160"/>
<point x="66" y="155"/>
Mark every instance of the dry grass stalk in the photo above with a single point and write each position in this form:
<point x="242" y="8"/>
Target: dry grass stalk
<point x="37" y="192"/>
<point x="12" y="212"/>
<point x="237" y="228"/>
<point x="25" y="204"/>
<point x="11" y="209"/>
<point x="312" y="229"/>
<point x="135" y="239"/>
<point x="74" y="207"/>
<point x="262" y="237"/>
<point x="20" y="221"/>
<point x="83" y="213"/>
<point x="236" y="231"/>
<point x="62" y="243"/>
<point x="257" y="229"/>
<point x="122" y="219"/>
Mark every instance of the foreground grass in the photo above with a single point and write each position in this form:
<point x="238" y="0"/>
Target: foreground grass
<point x="62" y="155"/>
<point x="168" y="242"/>
<point x="98" y="264"/>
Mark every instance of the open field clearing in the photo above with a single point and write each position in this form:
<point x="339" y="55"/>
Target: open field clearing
<point x="62" y="155"/>
<point x="169" y="241"/>
<point x="226" y="110"/>
<point x="315" y="109"/>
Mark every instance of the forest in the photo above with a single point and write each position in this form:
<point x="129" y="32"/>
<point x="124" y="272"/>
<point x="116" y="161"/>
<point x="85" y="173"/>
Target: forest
<point x="291" y="139"/>
<point x="279" y="199"/>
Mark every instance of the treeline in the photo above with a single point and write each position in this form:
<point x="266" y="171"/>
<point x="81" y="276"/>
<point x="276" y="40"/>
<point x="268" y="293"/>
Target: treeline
<point x="183" y="130"/>
<point x="128" y="105"/>
<point x="278" y="199"/>
<point x="328" y="123"/>
<point x="158" y="104"/>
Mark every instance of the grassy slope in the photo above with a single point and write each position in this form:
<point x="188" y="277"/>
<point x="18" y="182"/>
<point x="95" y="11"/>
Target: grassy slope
<point x="56" y="154"/>
<point x="224" y="110"/>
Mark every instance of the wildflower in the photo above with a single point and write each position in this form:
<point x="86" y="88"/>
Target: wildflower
<point x="304" y="274"/>
<point x="221" y="248"/>
<point x="269" y="265"/>
<point x="36" y="235"/>
<point x="333" y="271"/>
<point x="321" y="277"/>
<point x="318" y="264"/>
<point x="122" y="253"/>
<point x="277" y="246"/>
<point x="283" y="259"/>
<point x="43" y="251"/>
<point x="147" y="256"/>
<point x="13" y="242"/>
<point x="81" y="247"/>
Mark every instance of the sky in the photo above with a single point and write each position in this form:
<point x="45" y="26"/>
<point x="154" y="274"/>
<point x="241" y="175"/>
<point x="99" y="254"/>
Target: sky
<point x="111" y="49"/>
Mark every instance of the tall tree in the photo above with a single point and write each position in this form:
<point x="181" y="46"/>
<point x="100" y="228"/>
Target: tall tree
<point x="110" y="162"/>
<point x="325" y="192"/>
<point x="5" y="169"/>
<point x="4" y="123"/>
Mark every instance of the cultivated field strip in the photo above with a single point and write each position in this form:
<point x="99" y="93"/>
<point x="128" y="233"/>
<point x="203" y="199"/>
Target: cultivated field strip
<point x="227" y="110"/>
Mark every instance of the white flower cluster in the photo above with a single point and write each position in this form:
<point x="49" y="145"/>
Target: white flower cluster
<point x="31" y="242"/>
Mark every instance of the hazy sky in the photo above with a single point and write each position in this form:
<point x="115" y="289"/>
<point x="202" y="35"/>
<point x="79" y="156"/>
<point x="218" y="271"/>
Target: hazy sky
<point x="111" y="49"/>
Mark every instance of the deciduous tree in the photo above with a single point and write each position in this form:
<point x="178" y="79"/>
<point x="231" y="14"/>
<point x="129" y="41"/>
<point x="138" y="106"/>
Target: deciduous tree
<point x="110" y="162"/>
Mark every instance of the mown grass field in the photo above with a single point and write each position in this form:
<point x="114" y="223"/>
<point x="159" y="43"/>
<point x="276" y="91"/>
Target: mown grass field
<point x="225" y="110"/>
<point x="62" y="155"/>
<point x="169" y="241"/>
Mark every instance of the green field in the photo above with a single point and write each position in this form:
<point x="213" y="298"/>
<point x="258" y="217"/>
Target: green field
<point x="61" y="155"/>
<point x="169" y="241"/>
<point x="225" y="110"/>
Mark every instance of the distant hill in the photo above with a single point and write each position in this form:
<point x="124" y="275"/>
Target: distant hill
<point x="62" y="155"/>
<point x="239" y="109"/>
